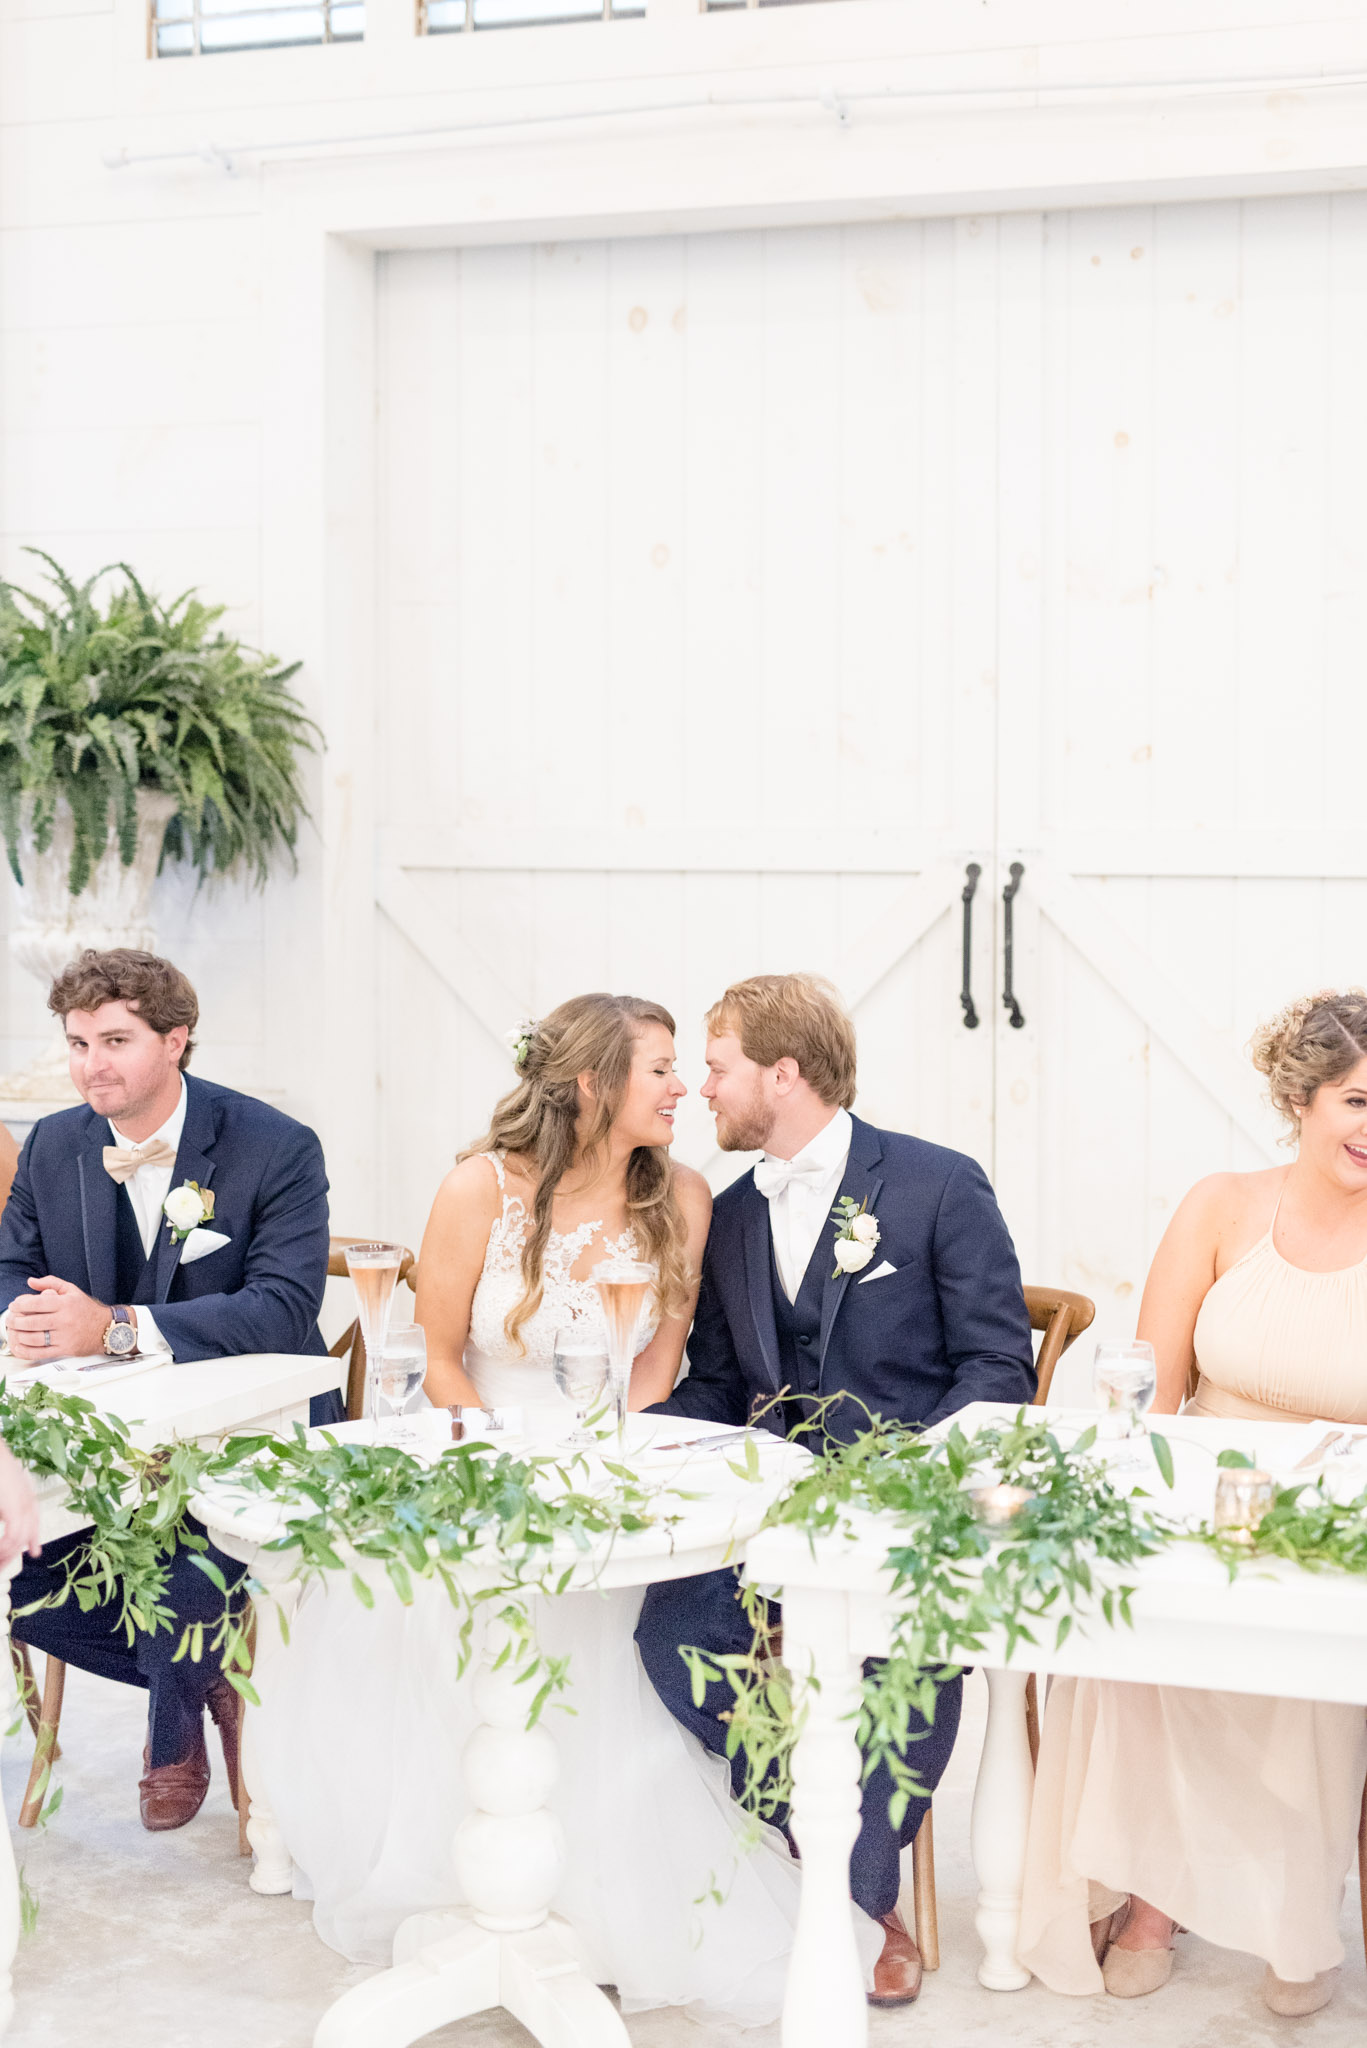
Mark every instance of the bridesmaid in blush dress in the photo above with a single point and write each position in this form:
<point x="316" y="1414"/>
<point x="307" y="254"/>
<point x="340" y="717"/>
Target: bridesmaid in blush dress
<point x="1232" y="1816"/>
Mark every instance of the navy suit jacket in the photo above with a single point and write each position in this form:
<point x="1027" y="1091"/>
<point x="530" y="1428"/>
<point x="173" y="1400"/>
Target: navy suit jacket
<point x="948" y="1327"/>
<point x="260" y="1292"/>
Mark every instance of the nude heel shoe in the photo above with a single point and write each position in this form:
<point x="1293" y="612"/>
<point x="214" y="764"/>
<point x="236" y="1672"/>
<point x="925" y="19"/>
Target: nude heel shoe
<point x="1294" y="2000"/>
<point x="1135" y="1972"/>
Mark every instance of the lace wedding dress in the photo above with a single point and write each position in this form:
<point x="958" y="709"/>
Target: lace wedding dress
<point x="361" y="1754"/>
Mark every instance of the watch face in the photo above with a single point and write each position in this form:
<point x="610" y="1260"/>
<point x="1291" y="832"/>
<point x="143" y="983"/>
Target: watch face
<point x="120" y="1339"/>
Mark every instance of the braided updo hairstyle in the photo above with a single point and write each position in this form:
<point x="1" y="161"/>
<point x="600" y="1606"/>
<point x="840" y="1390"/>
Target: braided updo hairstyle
<point x="538" y="1120"/>
<point x="1316" y="1040"/>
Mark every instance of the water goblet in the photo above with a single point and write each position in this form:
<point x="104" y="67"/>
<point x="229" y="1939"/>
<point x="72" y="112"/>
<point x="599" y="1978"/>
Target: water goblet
<point x="400" y="1369"/>
<point x="580" y="1367"/>
<point x="1125" y="1375"/>
<point x="624" y="1288"/>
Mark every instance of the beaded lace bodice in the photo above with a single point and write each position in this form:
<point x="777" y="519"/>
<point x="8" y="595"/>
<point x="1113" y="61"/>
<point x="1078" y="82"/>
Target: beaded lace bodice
<point x="500" y="1373"/>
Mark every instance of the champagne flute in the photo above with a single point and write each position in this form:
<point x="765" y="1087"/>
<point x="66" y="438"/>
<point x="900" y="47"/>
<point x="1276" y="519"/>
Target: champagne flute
<point x="374" y="1272"/>
<point x="624" y="1288"/>
<point x="580" y="1366"/>
<point x="1125" y="1375"/>
<point x="400" y="1369"/>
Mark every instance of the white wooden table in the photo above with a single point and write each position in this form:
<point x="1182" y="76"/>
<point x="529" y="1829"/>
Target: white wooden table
<point x="1276" y="1628"/>
<point x="205" y="1400"/>
<point x="504" y="1947"/>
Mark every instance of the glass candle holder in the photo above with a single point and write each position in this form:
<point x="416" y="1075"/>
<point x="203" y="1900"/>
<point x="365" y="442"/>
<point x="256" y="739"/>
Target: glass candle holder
<point x="1242" y="1498"/>
<point x="998" y="1507"/>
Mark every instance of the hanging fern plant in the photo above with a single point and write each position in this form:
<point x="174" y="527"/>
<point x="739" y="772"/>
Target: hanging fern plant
<point x="98" y="701"/>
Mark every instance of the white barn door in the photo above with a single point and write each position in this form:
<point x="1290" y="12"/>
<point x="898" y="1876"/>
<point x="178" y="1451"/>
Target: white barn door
<point x="1184" y="600"/>
<point x="688" y="652"/>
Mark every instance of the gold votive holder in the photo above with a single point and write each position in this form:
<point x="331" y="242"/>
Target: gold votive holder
<point x="999" y="1507"/>
<point x="1242" y="1498"/>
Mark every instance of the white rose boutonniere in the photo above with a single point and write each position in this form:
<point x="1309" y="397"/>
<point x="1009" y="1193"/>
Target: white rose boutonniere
<point x="855" y="1238"/>
<point x="186" y="1207"/>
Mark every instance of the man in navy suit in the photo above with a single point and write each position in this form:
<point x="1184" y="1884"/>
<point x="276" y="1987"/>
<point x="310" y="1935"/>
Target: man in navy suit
<point x="923" y="1317"/>
<point x="168" y="1217"/>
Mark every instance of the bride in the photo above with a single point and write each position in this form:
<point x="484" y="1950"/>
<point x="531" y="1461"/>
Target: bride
<point x="360" y="1757"/>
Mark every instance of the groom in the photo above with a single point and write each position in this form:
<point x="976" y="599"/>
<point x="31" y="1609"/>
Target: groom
<point x="170" y="1218"/>
<point x="932" y="1319"/>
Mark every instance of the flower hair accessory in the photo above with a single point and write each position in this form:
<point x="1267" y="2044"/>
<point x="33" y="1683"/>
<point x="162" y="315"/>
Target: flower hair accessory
<point x="519" y="1041"/>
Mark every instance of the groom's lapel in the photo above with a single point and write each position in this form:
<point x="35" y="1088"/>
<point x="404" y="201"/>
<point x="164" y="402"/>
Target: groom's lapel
<point x="862" y="1181"/>
<point x="757" y="1250"/>
<point x="99" y="1211"/>
<point x="193" y="1162"/>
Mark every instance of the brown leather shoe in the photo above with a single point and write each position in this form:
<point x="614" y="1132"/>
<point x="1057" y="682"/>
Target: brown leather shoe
<point x="225" y="1706"/>
<point x="897" y="1973"/>
<point x="173" y="1793"/>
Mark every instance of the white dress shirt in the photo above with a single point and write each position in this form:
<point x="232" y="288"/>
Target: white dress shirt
<point x="147" y="1190"/>
<point x="799" y="1211"/>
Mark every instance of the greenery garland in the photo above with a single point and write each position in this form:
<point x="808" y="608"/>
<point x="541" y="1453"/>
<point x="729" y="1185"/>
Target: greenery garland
<point x="348" y="1507"/>
<point x="959" y="1585"/>
<point x="485" y="1525"/>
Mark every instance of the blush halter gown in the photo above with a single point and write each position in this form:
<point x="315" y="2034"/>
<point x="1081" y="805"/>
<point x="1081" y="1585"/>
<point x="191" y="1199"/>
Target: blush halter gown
<point x="360" y="1756"/>
<point x="1235" y="1814"/>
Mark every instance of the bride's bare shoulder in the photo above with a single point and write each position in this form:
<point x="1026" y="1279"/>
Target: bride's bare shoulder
<point x="695" y="1196"/>
<point x="469" y="1193"/>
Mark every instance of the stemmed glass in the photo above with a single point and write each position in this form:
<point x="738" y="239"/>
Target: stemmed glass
<point x="624" y="1288"/>
<point x="373" y="1270"/>
<point x="1125" y="1375"/>
<point x="580" y="1367"/>
<point x="400" y="1369"/>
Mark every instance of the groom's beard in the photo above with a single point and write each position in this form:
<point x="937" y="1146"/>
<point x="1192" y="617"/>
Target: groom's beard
<point x="745" y="1130"/>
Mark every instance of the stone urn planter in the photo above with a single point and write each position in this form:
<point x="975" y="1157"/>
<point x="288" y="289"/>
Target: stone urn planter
<point x="55" y="927"/>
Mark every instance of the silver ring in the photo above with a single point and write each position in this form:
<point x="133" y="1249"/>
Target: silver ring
<point x="47" y="1338"/>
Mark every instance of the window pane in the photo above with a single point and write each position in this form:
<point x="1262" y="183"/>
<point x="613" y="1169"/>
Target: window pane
<point x="258" y="31"/>
<point x="176" y="42"/>
<point x="443" y="15"/>
<point x="525" y="13"/>
<point x="348" y="22"/>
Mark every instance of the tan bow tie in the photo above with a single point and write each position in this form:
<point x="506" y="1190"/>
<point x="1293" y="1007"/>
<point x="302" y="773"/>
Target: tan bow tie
<point x="121" y="1162"/>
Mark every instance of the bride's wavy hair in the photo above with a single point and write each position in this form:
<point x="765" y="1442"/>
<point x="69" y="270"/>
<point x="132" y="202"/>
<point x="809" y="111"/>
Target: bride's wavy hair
<point x="539" y="1121"/>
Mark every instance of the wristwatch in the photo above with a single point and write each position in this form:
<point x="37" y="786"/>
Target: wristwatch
<point x="121" y="1338"/>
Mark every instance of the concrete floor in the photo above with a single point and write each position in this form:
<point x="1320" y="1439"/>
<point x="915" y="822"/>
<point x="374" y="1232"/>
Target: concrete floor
<point x="156" y="1939"/>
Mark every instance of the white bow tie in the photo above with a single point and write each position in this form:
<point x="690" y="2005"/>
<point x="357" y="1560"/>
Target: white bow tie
<point x="772" y="1176"/>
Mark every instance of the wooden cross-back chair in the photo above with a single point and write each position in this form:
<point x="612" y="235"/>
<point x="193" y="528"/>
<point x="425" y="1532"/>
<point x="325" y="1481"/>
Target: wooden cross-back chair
<point x="1062" y="1317"/>
<point x="44" y="1711"/>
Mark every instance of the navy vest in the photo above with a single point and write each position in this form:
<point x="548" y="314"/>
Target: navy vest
<point x="798" y="1324"/>
<point x="131" y="1261"/>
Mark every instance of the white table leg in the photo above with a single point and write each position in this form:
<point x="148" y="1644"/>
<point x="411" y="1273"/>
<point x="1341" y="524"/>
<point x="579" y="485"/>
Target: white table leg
<point x="1000" y="1824"/>
<point x="272" y="1865"/>
<point x="506" y="1949"/>
<point x="9" y="1877"/>
<point x="824" y="2004"/>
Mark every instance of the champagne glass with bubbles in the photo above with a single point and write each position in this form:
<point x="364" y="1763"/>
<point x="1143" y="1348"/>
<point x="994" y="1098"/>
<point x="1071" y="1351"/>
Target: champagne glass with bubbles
<point x="374" y="1273"/>
<point x="580" y="1366"/>
<point x="1125" y="1376"/>
<point x="624" y="1287"/>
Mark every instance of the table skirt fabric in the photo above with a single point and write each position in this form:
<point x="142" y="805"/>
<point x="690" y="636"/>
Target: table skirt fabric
<point x="1236" y="1815"/>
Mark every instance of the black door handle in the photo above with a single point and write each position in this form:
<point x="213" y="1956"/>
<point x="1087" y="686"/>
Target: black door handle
<point x="971" y="873"/>
<point x="1009" y="947"/>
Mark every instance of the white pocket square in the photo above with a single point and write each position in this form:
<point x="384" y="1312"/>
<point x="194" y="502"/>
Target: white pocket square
<point x="878" y="1273"/>
<point x="200" y="1243"/>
